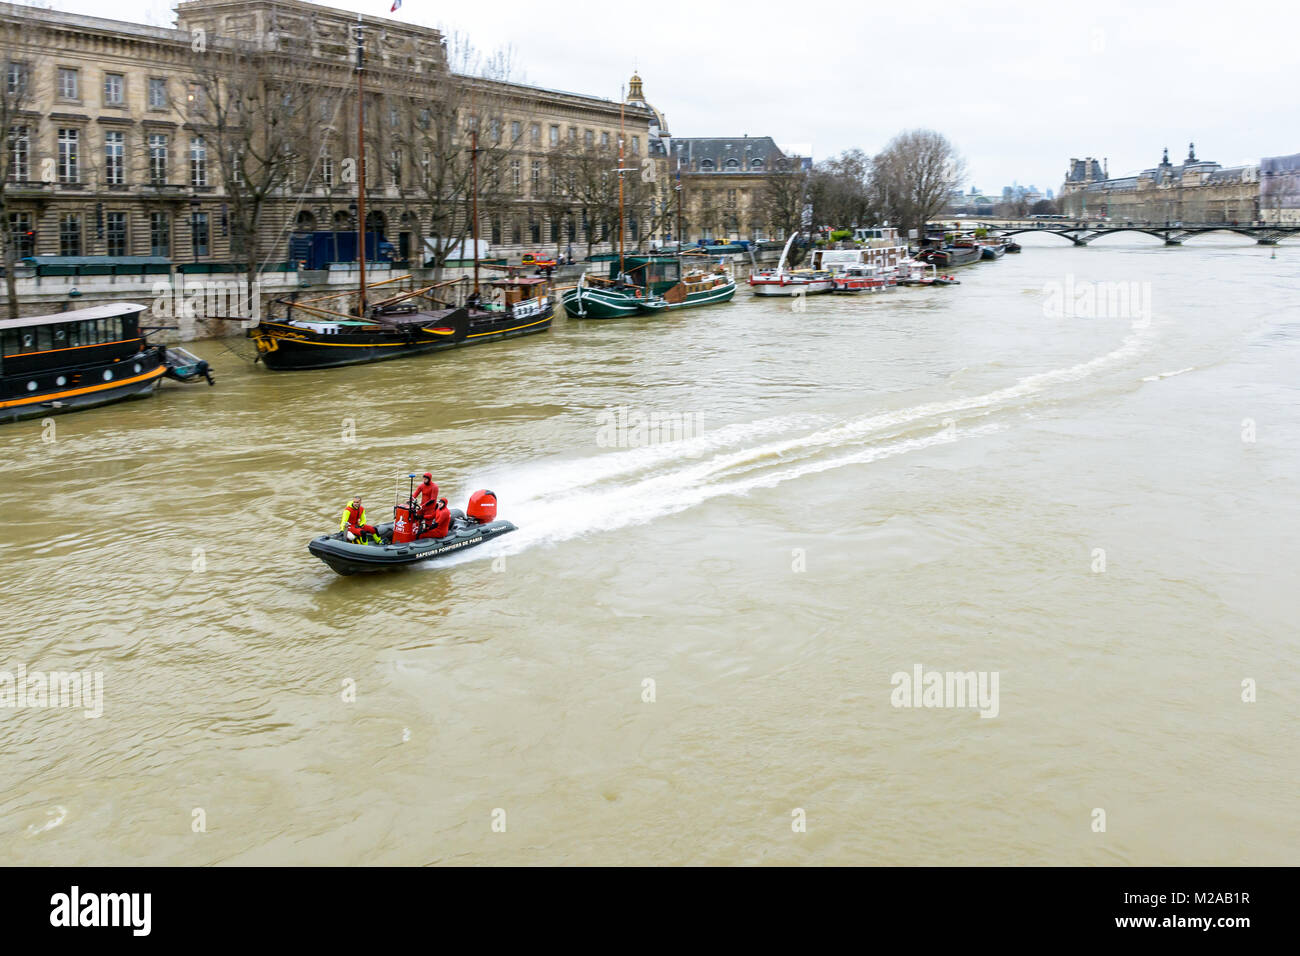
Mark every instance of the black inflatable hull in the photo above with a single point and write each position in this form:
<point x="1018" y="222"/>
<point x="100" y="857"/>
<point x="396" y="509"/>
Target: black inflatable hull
<point x="346" y="558"/>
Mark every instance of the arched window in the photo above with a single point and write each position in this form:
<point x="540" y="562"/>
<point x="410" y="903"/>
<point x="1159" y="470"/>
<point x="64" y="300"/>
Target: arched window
<point x="732" y="164"/>
<point x="755" y="164"/>
<point x="706" y="165"/>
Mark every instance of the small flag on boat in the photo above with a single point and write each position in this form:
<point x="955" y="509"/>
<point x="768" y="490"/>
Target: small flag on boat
<point x="396" y="6"/>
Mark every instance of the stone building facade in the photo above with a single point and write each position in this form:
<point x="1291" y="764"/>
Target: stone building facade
<point x="107" y="156"/>
<point x="723" y="182"/>
<point x="1279" y="193"/>
<point x="1197" y="190"/>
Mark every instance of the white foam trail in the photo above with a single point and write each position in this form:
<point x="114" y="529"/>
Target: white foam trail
<point x="562" y="476"/>
<point x="543" y="521"/>
<point x="566" y="499"/>
<point x="1156" y="378"/>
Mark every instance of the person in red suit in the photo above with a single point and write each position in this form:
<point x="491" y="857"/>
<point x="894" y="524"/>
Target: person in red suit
<point x="435" y="518"/>
<point x="426" y="490"/>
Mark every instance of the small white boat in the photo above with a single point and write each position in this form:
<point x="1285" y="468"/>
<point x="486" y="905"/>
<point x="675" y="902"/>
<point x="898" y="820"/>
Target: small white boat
<point x="789" y="282"/>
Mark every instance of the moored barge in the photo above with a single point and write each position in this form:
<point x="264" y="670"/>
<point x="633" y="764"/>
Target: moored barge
<point x="74" y="360"/>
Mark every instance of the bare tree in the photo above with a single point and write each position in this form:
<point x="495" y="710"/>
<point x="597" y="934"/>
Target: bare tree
<point x="783" y="196"/>
<point x="840" y="190"/>
<point x="18" y="123"/>
<point x="248" y="109"/>
<point x="592" y="186"/>
<point x="913" y="176"/>
<point x="557" y="200"/>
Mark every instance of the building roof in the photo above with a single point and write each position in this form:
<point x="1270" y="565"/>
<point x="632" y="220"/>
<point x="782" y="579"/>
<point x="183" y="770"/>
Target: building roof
<point x="713" y="153"/>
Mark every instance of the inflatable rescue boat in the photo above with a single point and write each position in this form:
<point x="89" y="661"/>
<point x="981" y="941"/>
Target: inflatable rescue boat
<point x="401" y="542"/>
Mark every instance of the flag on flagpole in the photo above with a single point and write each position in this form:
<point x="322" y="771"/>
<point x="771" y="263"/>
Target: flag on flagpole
<point x="396" y="5"/>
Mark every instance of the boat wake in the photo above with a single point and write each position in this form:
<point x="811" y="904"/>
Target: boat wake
<point x="562" y="499"/>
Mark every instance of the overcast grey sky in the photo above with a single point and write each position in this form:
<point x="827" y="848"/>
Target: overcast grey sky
<point x="1018" y="86"/>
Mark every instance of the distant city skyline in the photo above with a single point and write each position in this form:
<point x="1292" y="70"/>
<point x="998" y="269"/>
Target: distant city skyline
<point x="1018" y="88"/>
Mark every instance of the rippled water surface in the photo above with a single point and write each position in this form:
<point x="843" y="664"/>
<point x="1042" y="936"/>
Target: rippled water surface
<point x="917" y="478"/>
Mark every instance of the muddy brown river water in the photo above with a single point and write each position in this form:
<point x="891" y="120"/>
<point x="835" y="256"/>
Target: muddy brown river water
<point x="692" y="646"/>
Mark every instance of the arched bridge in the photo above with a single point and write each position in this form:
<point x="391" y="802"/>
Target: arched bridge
<point x="1172" y="233"/>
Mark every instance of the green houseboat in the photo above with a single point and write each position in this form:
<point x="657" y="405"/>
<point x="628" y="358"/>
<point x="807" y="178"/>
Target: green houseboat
<point x="647" y="285"/>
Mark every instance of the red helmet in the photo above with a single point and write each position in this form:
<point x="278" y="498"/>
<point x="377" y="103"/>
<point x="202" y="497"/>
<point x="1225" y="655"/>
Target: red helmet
<point x="429" y="475"/>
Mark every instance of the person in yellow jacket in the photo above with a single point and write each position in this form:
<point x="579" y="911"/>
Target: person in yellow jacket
<point x="354" y="527"/>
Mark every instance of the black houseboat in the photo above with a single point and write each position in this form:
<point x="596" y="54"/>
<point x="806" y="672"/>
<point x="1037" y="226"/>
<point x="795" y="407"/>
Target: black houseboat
<point x="54" y="363"/>
<point x="312" y="336"/>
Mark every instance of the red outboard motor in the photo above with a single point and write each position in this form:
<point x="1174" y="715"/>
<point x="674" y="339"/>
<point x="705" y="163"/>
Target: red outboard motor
<point x="482" y="507"/>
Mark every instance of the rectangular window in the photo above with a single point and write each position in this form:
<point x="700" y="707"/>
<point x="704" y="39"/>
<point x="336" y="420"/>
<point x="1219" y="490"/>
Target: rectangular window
<point x="20" y="146"/>
<point x="573" y="135"/>
<point x="588" y="138"/>
<point x="515" y="236"/>
<point x="199" y="233"/>
<point x="69" y="83"/>
<point x="393" y="117"/>
<point x="327" y="171"/>
<point x="198" y="162"/>
<point x="22" y="234"/>
<point x="515" y="132"/>
<point x="114" y="89"/>
<point x="115" y="233"/>
<point x="114" y="158"/>
<point x="395" y="168"/>
<point x="496" y="232"/>
<point x="535" y="177"/>
<point x="535" y="134"/>
<point x="16" y="79"/>
<point x="70" y="234"/>
<point x="515" y="178"/>
<point x="69" y="159"/>
<point x="160" y="234"/>
<point x="555" y="136"/>
<point x="604" y="140"/>
<point x="157" y="93"/>
<point x="157" y="159"/>
<point x="555" y="230"/>
<point x="194" y="99"/>
<point x="636" y="145"/>
<point x="535" y="232"/>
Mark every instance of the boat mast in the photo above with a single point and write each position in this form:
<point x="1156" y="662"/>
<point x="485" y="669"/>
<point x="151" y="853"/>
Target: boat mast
<point x="361" y="167"/>
<point x="473" y="162"/>
<point x="621" y="217"/>
<point x="679" y="203"/>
